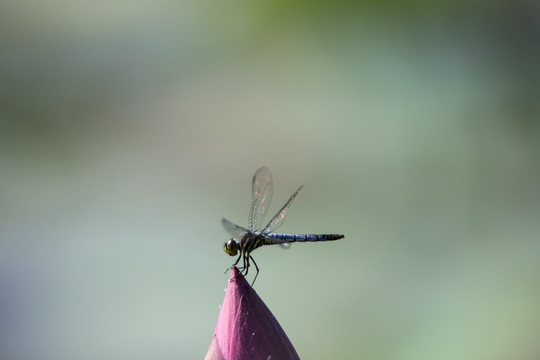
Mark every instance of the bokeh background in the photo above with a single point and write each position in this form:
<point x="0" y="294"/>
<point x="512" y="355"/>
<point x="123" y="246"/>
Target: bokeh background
<point x="128" y="129"/>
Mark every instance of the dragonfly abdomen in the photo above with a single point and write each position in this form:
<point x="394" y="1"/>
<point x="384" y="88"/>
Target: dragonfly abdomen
<point x="304" y="237"/>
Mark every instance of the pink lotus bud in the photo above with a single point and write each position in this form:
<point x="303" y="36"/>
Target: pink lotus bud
<point x="246" y="329"/>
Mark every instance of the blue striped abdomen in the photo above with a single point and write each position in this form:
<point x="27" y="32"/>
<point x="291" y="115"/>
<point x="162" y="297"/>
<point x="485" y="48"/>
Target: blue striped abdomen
<point x="289" y="238"/>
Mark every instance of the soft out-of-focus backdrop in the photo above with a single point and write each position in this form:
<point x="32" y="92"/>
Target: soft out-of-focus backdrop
<point x="129" y="128"/>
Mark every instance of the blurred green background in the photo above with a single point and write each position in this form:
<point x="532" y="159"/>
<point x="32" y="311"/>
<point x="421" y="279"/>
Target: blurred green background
<point x="130" y="128"/>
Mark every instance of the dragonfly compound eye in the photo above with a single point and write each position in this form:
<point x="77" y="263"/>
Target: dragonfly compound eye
<point x="231" y="247"/>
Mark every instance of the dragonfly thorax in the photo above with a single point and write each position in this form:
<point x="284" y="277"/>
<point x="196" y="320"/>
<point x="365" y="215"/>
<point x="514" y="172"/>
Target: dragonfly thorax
<point x="251" y="241"/>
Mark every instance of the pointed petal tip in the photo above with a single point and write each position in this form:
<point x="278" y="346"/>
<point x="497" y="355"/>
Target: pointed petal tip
<point x="246" y="329"/>
<point x="237" y="278"/>
<point x="234" y="273"/>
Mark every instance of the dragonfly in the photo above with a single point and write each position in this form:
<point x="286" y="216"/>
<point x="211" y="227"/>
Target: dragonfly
<point x="245" y="240"/>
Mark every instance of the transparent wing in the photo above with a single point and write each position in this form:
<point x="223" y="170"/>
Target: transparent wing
<point x="262" y="189"/>
<point x="278" y="219"/>
<point x="285" y="245"/>
<point x="233" y="229"/>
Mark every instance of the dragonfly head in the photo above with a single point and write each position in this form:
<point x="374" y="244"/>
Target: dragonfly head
<point x="231" y="247"/>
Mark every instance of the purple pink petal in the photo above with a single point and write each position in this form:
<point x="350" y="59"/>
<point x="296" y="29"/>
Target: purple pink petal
<point x="246" y="329"/>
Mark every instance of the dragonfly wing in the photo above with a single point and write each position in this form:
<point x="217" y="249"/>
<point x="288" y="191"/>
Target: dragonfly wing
<point x="278" y="219"/>
<point x="285" y="245"/>
<point x="233" y="229"/>
<point x="262" y="190"/>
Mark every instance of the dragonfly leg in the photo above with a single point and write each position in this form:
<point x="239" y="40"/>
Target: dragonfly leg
<point x="246" y="263"/>
<point x="233" y="265"/>
<point x="257" y="268"/>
